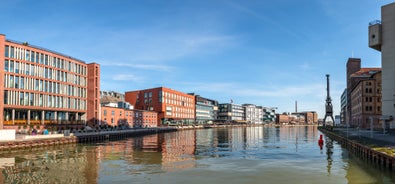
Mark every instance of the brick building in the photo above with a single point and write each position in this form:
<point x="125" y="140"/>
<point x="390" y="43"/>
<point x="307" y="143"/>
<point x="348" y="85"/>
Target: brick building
<point x="39" y="86"/>
<point x="114" y="116"/>
<point x="173" y="107"/>
<point x="144" y="118"/>
<point x="366" y="99"/>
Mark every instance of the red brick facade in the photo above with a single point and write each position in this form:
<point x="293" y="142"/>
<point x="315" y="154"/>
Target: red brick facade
<point x="172" y="106"/>
<point x="114" y="116"/>
<point x="39" y="86"/>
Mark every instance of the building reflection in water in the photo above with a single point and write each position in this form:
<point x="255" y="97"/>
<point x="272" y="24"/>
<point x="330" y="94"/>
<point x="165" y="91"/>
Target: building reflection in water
<point x="179" y="151"/>
<point x="60" y="164"/>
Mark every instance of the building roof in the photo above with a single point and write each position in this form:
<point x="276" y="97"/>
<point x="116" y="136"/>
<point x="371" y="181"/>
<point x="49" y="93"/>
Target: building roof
<point x="366" y="72"/>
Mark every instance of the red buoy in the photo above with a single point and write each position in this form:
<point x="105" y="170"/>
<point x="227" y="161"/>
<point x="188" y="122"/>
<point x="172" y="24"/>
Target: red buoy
<point x="320" y="142"/>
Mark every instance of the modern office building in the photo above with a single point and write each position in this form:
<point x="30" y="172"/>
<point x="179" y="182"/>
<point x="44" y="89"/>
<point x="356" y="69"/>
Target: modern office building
<point x="366" y="100"/>
<point x="230" y="113"/>
<point x="173" y="107"/>
<point x="206" y="110"/>
<point x="269" y="114"/>
<point x="382" y="38"/>
<point x="253" y="114"/>
<point x="39" y="86"/>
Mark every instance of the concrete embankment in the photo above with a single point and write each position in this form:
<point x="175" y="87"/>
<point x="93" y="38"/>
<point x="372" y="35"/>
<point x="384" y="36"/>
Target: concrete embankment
<point x="362" y="151"/>
<point x="118" y="134"/>
<point x="32" y="143"/>
<point x="27" y="142"/>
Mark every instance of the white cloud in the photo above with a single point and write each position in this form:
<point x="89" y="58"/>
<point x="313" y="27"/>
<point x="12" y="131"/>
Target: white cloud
<point x="159" y="46"/>
<point x="128" y="77"/>
<point x="155" y="67"/>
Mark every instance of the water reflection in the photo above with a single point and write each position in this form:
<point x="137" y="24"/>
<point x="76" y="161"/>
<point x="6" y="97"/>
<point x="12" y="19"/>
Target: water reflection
<point x="234" y="155"/>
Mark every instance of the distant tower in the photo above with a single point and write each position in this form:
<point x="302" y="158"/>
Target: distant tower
<point x="328" y="104"/>
<point x="296" y="106"/>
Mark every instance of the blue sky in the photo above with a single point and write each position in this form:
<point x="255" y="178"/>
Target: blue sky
<point x="268" y="53"/>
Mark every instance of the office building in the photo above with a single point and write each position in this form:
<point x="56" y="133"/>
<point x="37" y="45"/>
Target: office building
<point x="206" y="110"/>
<point x="39" y="86"/>
<point x="231" y="113"/>
<point x="253" y="114"/>
<point x="173" y="107"/>
<point x="269" y="114"/>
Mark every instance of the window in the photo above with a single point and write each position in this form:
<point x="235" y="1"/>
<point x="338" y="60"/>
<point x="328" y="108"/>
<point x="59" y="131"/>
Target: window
<point x="7" y="53"/>
<point x="16" y="82"/>
<point x="11" y="81"/>
<point x="16" y="67"/>
<point x="12" y="52"/>
<point x="112" y="113"/>
<point x="11" y="66"/>
<point x="22" y="83"/>
<point x="6" y="65"/>
<point x="21" y="98"/>
<point x="5" y="97"/>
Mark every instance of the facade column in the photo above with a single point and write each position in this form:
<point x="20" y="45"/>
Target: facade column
<point x="42" y="117"/>
<point x="56" y="117"/>
<point x="13" y="116"/>
<point x="28" y="117"/>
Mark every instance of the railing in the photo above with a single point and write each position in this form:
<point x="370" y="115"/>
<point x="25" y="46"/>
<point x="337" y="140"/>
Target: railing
<point x="374" y="22"/>
<point x="8" y="122"/>
<point x="46" y="122"/>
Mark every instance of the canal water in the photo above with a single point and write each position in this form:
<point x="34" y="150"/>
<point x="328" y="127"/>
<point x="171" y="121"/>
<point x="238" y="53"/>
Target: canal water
<point x="218" y="155"/>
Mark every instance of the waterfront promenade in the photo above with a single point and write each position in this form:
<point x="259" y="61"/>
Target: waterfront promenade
<point x="368" y="137"/>
<point x="23" y="141"/>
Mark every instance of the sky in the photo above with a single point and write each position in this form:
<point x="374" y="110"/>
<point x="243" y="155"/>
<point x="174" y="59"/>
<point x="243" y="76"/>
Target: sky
<point x="263" y="52"/>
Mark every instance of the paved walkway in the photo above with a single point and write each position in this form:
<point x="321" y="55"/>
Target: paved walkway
<point x="376" y="136"/>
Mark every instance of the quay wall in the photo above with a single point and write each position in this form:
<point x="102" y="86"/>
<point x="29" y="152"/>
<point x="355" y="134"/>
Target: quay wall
<point x="362" y="151"/>
<point x="28" y="142"/>
<point x="32" y="143"/>
<point x="119" y="134"/>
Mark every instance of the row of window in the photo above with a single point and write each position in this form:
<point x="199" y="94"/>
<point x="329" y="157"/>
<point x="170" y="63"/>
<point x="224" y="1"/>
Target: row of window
<point x="44" y="59"/>
<point x="129" y="113"/>
<point x="42" y="100"/>
<point x="11" y="81"/>
<point x="43" y="72"/>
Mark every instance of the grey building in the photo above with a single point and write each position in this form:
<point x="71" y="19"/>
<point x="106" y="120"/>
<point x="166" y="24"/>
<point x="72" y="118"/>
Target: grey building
<point x="269" y="115"/>
<point x="229" y="112"/>
<point x="382" y="38"/>
<point x="206" y="110"/>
